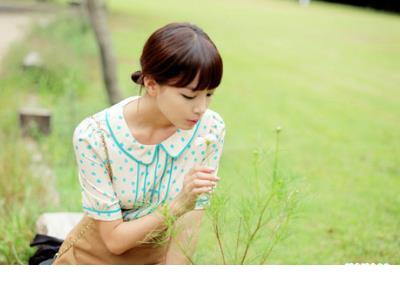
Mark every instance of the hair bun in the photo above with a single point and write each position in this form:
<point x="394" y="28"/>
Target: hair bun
<point x="137" y="77"/>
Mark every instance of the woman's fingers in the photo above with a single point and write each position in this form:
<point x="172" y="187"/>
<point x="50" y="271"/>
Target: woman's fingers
<point x="202" y="175"/>
<point x="203" y="189"/>
<point x="201" y="169"/>
<point x="201" y="183"/>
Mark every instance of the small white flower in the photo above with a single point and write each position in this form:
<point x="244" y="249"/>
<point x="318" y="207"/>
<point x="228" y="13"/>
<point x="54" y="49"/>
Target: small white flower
<point x="210" y="138"/>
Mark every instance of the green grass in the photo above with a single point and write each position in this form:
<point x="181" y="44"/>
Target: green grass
<point x="328" y="74"/>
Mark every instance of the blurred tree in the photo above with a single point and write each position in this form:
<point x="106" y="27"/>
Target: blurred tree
<point x="97" y="15"/>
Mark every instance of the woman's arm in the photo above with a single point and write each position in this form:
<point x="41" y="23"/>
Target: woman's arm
<point x="183" y="245"/>
<point x="120" y="236"/>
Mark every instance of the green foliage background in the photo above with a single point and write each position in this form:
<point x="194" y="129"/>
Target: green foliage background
<point x="327" y="74"/>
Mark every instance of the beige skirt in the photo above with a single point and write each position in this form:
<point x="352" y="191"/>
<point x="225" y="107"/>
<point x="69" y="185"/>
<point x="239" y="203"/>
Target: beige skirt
<point x="88" y="248"/>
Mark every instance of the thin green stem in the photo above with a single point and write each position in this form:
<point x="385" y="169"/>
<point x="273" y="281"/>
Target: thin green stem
<point x="219" y="239"/>
<point x="237" y="239"/>
<point x="257" y="228"/>
<point x="274" y="240"/>
<point x="275" y="232"/>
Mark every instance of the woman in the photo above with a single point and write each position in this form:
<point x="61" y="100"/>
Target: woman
<point x="148" y="163"/>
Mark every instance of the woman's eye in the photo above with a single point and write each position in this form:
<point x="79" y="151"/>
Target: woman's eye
<point x="186" y="97"/>
<point x="191" y="98"/>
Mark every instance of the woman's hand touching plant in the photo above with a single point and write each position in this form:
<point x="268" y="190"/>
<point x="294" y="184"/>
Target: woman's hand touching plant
<point x="198" y="180"/>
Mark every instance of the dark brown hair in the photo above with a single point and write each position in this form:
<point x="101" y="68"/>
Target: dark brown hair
<point x="175" y="53"/>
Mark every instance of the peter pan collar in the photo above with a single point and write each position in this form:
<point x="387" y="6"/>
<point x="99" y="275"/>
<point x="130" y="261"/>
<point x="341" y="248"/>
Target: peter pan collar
<point x="119" y="131"/>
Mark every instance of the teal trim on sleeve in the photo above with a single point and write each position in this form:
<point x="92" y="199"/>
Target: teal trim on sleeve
<point x="201" y="200"/>
<point x="101" y="211"/>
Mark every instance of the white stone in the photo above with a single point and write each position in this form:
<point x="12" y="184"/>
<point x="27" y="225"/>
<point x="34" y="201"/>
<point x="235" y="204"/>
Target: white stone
<point x="57" y="224"/>
<point x="33" y="59"/>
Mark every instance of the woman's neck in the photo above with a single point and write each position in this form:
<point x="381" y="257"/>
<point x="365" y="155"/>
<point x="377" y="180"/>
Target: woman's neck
<point x="144" y="116"/>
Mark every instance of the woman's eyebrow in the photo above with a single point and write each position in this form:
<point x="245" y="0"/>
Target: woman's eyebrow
<point x="193" y="90"/>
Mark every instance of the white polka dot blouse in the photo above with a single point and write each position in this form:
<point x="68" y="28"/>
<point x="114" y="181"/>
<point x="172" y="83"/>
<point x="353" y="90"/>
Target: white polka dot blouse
<point x="143" y="176"/>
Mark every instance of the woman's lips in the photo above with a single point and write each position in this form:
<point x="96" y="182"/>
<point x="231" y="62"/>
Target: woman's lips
<point x="193" y="121"/>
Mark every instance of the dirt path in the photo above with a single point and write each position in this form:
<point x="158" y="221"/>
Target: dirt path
<point x="12" y="28"/>
<point x="16" y="18"/>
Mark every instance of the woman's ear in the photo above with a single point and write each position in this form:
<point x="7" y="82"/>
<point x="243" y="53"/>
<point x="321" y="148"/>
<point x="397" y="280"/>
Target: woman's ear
<point x="151" y="86"/>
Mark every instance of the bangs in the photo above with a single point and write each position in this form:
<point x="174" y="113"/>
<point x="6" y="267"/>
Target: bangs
<point x="200" y="58"/>
<point x="177" y="53"/>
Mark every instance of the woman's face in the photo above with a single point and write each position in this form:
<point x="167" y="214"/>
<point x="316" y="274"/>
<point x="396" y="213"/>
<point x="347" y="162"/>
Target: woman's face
<point x="183" y="107"/>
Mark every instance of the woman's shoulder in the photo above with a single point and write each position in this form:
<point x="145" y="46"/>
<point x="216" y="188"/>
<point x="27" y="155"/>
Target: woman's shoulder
<point x="98" y="121"/>
<point x="88" y="129"/>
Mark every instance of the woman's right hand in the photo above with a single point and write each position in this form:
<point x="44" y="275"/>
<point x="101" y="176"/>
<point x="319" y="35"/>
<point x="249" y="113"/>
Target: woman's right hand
<point x="197" y="181"/>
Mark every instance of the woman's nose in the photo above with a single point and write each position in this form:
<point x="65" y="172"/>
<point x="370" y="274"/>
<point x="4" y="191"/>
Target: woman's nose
<point x="201" y="106"/>
<point x="199" y="110"/>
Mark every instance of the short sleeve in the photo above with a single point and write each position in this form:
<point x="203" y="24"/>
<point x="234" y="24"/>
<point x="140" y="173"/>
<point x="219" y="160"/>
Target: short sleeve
<point x="99" y="200"/>
<point x="213" y="157"/>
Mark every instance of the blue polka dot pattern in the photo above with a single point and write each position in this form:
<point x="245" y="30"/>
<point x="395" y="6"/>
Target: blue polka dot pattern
<point x="144" y="176"/>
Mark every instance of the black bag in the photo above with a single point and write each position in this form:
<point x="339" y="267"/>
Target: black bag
<point x="47" y="247"/>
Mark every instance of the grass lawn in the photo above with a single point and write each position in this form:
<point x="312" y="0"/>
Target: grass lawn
<point x="327" y="74"/>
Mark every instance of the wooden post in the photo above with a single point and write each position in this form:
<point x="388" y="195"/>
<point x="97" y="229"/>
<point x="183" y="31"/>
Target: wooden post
<point x="31" y="117"/>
